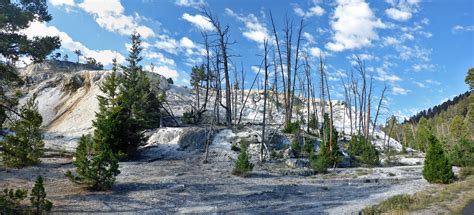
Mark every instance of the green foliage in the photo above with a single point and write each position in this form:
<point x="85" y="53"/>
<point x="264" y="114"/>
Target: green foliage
<point x="422" y="135"/>
<point x="437" y="168"/>
<point x="462" y="154"/>
<point x="10" y="200"/>
<point x="292" y="128"/>
<point x="313" y="121"/>
<point x="363" y="151"/>
<point x="470" y="78"/>
<point x="243" y="167"/>
<point x="296" y="147"/>
<point x="170" y="81"/>
<point x="188" y="117"/>
<point x="308" y="146"/>
<point x="25" y="146"/>
<point x="330" y="148"/>
<point x="457" y="129"/>
<point x="38" y="198"/>
<point x="93" y="62"/>
<point x="140" y="104"/>
<point x="396" y="203"/>
<point x="95" y="164"/>
<point x="321" y="162"/>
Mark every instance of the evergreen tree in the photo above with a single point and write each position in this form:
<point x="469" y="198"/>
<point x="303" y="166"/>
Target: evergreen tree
<point x="462" y="153"/>
<point x="334" y="155"/>
<point x="140" y="104"/>
<point x="25" y="146"/>
<point x="38" y="198"/>
<point x="457" y="129"/>
<point x="437" y="168"/>
<point x="10" y="200"/>
<point x="422" y="134"/>
<point x="15" y="17"/>
<point x="470" y="78"/>
<point x="242" y="165"/>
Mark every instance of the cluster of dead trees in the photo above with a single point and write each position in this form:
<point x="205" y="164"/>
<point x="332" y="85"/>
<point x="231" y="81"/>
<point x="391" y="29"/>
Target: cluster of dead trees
<point x="293" y="80"/>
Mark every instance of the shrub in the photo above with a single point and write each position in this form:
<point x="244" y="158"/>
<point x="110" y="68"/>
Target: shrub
<point x="296" y="147"/>
<point x="38" y="198"/>
<point x="95" y="164"/>
<point x="188" y="117"/>
<point x="242" y="165"/>
<point x="25" y="145"/>
<point x="363" y="151"/>
<point x="308" y="146"/>
<point x="10" y="200"/>
<point x="320" y="163"/>
<point x="313" y="121"/>
<point x="292" y="128"/>
<point x="462" y="153"/>
<point x="437" y="168"/>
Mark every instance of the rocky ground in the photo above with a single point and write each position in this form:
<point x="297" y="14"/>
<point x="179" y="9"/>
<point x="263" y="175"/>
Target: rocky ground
<point x="172" y="185"/>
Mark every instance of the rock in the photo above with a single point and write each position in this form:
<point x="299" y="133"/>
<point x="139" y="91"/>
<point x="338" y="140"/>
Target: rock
<point x="193" y="138"/>
<point x="297" y="163"/>
<point x="279" y="142"/>
<point x="288" y="153"/>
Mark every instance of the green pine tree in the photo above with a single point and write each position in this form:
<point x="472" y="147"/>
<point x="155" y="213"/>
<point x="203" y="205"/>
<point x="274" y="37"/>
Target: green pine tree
<point x="10" y="200"/>
<point x="38" y="198"/>
<point x="422" y="134"/>
<point x="334" y="155"/>
<point x="25" y="146"/>
<point x="437" y="168"/>
<point x="242" y="165"/>
<point x="462" y="153"/>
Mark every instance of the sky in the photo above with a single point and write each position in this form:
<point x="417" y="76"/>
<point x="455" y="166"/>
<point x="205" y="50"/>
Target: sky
<point x="420" y="49"/>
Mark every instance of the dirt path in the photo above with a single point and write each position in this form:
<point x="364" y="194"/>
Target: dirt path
<point x="188" y="186"/>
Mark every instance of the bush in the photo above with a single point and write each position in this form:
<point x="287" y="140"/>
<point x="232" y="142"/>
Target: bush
<point x="437" y="168"/>
<point x="95" y="164"/>
<point x="296" y="147"/>
<point x="319" y="163"/>
<point x="10" y="200"/>
<point x="313" y="121"/>
<point x="188" y="117"/>
<point x="38" y="198"/>
<point x="308" y="146"/>
<point x="25" y="145"/>
<point x="363" y="151"/>
<point x="462" y="153"/>
<point x="292" y="128"/>
<point x="242" y="165"/>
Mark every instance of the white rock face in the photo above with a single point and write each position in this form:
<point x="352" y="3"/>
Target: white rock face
<point x="67" y="98"/>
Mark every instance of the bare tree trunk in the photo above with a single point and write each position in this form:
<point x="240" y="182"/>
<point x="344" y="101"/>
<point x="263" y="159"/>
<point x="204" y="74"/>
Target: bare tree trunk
<point x="295" y="70"/>
<point x="367" y="124"/>
<point x="281" y="67"/>
<point x="288" y="37"/>
<point x="265" y="44"/>
<point x="378" y="109"/>
<point x="208" y="68"/>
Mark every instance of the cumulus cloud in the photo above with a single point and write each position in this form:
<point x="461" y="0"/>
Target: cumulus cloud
<point x="396" y="90"/>
<point x="103" y="56"/>
<point x="354" y="25"/>
<point x="190" y="3"/>
<point x="109" y="14"/>
<point x="254" y="29"/>
<point x="166" y="71"/>
<point x="402" y="10"/>
<point x="199" y="21"/>
<point x="315" y="10"/>
<point x="423" y="67"/>
<point x="383" y="75"/>
<point x="62" y="2"/>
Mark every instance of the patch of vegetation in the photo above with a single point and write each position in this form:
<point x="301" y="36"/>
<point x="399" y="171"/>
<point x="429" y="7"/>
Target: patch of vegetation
<point x="363" y="151"/>
<point x="292" y="128"/>
<point x="308" y="146"/>
<point x="462" y="154"/>
<point x="296" y="147"/>
<point x="437" y="168"/>
<point x="25" y="145"/>
<point x="243" y="167"/>
<point x="10" y="200"/>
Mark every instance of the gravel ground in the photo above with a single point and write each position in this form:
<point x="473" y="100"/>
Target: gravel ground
<point x="189" y="186"/>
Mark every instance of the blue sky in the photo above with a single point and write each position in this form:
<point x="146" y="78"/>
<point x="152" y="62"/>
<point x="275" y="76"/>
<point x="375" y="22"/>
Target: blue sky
<point x="421" y="49"/>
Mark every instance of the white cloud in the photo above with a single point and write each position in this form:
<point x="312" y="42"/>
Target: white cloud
<point x="199" y="21"/>
<point x="419" y="84"/>
<point x="166" y="71"/>
<point x="109" y="14"/>
<point x="254" y="29"/>
<point x="315" y="51"/>
<point x="399" y="91"/>
<point x="57" y="3"/>
<point x="159" y="56"/>
<point x="354" y="25"/>
<point x="402" y="10"/>
<point x="382" y="75"/>
<point x="187" y="43"/>
<point x="190" y="3"/>
<point x="423" y="67"/>
<point x="103" y="56"/>
<point x="416" y="52"/>
<point x="255" y="69"/>
<point x="316" y="10"/>
<point x="459" y="29"/>
<point x="309" y="38"/>
<point x="397" y="14"/>
<point x="387" y="41"/>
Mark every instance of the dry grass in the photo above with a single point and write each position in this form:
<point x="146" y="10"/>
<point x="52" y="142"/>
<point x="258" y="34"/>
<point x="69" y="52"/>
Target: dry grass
<point x="449" y="198"/>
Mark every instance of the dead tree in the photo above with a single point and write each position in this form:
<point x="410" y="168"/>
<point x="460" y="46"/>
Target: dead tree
<point x="295" y="69"/>
<point x="378" y="108"/>
<point x="222" y="34"/>
<point x="265" y="45"/>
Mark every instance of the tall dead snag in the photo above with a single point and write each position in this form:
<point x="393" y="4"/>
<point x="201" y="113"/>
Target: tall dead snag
<point x="369" y="100"/>
<point x="307" y="69"/>
<point x="222" y="34"/>
<point x="330" y="112"/>
<point x="378" y="109"/>
<point x="265" y="45"/>
<point x="277" y="42"/>
<point x="208" y="68"/>
<point x="295" y="69"/>
<point x="323" y="104"/>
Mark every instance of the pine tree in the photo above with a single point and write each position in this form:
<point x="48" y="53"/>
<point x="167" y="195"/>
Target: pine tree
<point x="242" y="165"/>
<point x="140" y="103"/>
<point x="25" y="146"/>
<point x="462" y="153"/>
<point x="38" y="198"/>
<point x="10" y="200"/>
<point x="422" y="134"/>
<point x="334" y="155"/>
<point x="437" y="168"/>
